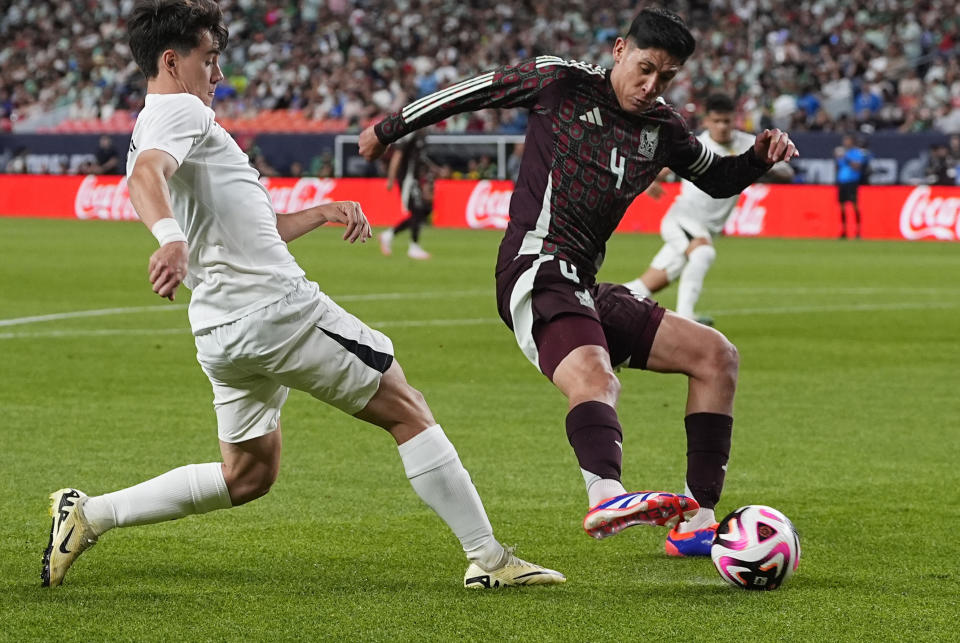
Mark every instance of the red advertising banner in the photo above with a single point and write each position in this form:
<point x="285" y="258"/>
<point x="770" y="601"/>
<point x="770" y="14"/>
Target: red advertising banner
<point x="764" y="210"/>
<point x="107" y="198"/>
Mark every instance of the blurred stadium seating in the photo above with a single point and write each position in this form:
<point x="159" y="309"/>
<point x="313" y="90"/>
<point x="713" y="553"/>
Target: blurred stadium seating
<point x="332" y="65"/>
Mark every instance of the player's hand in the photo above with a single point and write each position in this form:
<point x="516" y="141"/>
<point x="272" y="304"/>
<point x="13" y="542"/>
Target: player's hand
<point x="168" y="268"/>
<point x="654" y="190"/>
<point x="370" y="146"/>
<point x="351" y="215"/>
<point x="774" y="146"/>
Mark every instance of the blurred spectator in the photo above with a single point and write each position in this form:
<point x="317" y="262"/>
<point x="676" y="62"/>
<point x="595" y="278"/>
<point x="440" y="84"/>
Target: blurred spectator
<point x="106" y="159"/>
<point x="941" y="169"/>
<point x="17" y="164"/>
<point x="513" y="162"/>
<point x="260" y="162"/>
<point x="953" y="150"/>
<point x="486" y="168"/>
<point x="322" y="166"/>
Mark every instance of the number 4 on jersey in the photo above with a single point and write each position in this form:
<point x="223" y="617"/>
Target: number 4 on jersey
<point x="617" y="163"/>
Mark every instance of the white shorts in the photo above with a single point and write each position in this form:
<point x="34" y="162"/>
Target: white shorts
<point x="677" y="234"/>
<point x="306" y="342"/>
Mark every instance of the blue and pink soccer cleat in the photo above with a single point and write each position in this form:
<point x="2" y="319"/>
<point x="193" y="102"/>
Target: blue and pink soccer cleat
<point x="691" y="543"/>
<point x="657" y="508"/>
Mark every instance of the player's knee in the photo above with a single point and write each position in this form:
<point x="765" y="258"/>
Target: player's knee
<point x="723" y="361"/>
<point x="598" y="384"/>
<point x="252" y="484"/>
<point x="611" y="384"/>
<point x="397" y="406"/>
<point x="703" y="253"/>
<point x="415" y="406"/>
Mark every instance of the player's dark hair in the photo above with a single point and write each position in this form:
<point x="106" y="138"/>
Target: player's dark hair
<point x="719" y="103"/>
<point x="656" y="27"/>
<point x="157" y="25"/>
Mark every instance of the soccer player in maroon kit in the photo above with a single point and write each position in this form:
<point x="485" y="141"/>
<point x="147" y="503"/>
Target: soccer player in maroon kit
<point x="595" y="139"/>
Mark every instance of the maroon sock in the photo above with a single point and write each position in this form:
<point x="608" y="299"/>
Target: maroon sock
<point x="708" y="449"/>
<point x="594" y="433"/>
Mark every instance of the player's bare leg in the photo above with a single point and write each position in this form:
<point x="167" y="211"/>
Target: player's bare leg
<point x="586" y="377"/>
<point x="434" y="469"/>
<point x="711" y="363"/>
<point x="251" y="467"/>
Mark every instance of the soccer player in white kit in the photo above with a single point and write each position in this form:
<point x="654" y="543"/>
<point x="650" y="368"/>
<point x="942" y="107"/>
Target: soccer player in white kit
<point x="260" y="326"/>
<point x="695" y="217"/>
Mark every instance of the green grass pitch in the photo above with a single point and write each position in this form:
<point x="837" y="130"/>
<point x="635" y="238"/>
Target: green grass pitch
<point x="847" y="419"/>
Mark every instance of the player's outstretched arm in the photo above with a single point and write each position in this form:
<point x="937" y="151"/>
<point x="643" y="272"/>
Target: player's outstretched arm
<point x="349" y="213"/>
<point x="725" y="176"/>
<point x="505" y="86"/>
<point x="150" y="197"/>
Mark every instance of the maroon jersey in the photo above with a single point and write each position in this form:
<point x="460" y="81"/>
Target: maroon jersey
<point x="585" y="159"/>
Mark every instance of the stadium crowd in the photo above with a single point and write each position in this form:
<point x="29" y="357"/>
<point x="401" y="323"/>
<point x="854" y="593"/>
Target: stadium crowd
<point x="797" y="64"/>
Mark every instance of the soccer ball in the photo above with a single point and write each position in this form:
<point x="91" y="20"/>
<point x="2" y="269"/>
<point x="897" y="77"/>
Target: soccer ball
<point x="756" y="547"/>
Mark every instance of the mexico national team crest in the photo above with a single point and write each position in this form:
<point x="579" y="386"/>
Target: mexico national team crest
<point x="649" y="137"/>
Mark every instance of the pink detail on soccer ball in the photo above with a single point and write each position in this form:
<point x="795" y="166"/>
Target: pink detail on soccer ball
<point x="783" y="549"/>
<point x="742" y="542"/>
<point x="764" y="512"/>
<point x="726" y="561"/>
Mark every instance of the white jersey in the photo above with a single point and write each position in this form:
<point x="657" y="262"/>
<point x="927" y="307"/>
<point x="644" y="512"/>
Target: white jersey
<point x="693" y="204"/>
<point x="238" y="262"/>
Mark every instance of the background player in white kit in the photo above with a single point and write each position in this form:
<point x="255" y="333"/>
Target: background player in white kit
<point x="694" y="217"/>
<point x="260" y="327"/>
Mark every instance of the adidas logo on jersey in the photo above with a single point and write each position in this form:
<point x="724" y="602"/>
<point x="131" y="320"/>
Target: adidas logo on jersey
<point x="592" y="117"/>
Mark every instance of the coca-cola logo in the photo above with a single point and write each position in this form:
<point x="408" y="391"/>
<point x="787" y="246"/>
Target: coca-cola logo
<point x="488" y="207"/>
<point x="924" y="216"/>
<point x="103" y="198"/>
<point x="108" y="198"/>
<point x="303" y="194"/>
<point x="747" y="218"/>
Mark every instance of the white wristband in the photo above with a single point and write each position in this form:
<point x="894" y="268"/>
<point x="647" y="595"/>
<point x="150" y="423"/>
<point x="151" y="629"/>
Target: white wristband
<point x="167" y="230"/>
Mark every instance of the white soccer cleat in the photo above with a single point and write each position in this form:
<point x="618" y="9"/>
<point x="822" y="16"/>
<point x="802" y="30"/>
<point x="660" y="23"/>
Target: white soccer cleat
<point x="386" y="241"/>
<point x="416" y="252"/>
<point x="513" y="573"/>
<point x="70" y="535"/>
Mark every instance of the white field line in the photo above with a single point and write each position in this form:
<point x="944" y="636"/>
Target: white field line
<point x="790" y="310"/>
<point x="103" y="312"/>
<point x="388" y="296"/>
<point x="97" y="332"/>
<point x="477" y="321"/>
<point x="801" y="290"/>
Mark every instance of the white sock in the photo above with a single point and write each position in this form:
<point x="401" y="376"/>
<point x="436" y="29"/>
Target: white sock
<point x="637" y="287"/>
<point x="600" y="488"/>
<point x="437" y="475"/>
<point x="193" y="489"/>
<point x="704" y="518"/>
<point x="691" y="278"/>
